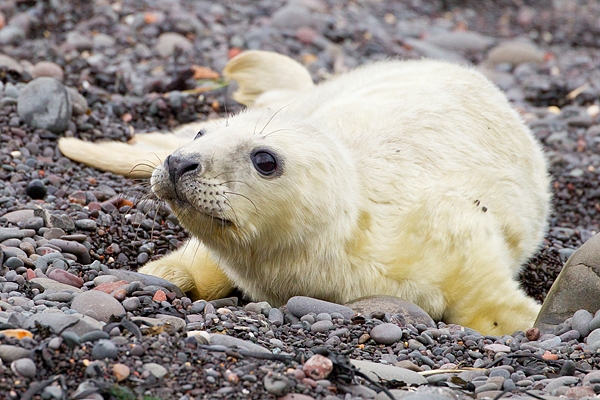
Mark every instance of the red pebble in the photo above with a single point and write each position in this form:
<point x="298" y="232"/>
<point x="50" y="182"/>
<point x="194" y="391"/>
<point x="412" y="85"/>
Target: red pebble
<point x="65" y="277"/>
<point x="317" y="367"/>
<point x="159" y="296"/>
<point x="110" y="287"/>
<point x="30" y="274"/>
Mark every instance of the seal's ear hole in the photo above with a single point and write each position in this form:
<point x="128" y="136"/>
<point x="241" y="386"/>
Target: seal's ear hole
<point x="201" y="132"/>
<point x="264" y="162"/>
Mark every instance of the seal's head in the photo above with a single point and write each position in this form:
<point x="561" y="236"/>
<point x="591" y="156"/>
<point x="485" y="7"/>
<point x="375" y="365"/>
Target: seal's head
<point x="260" y="184"/>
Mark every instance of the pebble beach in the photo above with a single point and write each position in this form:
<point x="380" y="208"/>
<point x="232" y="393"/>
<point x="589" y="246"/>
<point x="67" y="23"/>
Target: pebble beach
<point x="78" y="322"/>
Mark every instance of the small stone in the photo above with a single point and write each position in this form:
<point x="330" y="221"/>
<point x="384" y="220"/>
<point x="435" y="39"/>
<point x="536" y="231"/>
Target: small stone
<point x="497" y="348"/>
<point x="321" y="326"/>
<point x="169" y="41"/>
<point x="104" y="349"/>
<point x="159" y="296"/>
<point x="24" y="367"/>
<point x="155" y="369"/>
<point x="318" y="367"/>
<point x="301" y="305"/>
<point x="411" y="313"/>
<point x="276" y="384"/>
<point x="233" y="342"/>
<point x="78" y="101"/>
<point x="98" y="305"/>
<point x="386" y="333"/>
<point x="10" y="353"/>
<point x="581" y="320"/>
<point x="65" y="277"/>
<point x="131" y="303"/>
<point x="48" y="69"/>
<point x="378" y="371"/>
<point x="515" y="52"/>
<point x="44" y="103"/>
<point x="36" y="189"/>
<point x="121" y="372"/>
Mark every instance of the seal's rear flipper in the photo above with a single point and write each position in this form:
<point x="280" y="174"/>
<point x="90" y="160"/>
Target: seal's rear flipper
<point x="258" y="72"/>
<point x="135" y="159"/>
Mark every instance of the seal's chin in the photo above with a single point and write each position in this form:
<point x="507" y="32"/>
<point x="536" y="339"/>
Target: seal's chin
<point x="184" y="205"/>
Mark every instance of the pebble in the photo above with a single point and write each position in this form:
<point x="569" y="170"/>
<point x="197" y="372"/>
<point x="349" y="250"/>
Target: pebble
<point x="410" y="312"/>
<point x="98" y="305"/>
<point x="155" y="369"/>
<point x="48" y="69"/>
<point x="317" y="367"/>
<point x="321" y="326"/>
<point x="277" y="385"/>
<point x="104" y="349"/>
<point x="301" y="305"/>
<point x="169" y="41"/>
<point x="24" y="367"/>
<point x="36" y="189"/>
<point x="580" y="322"/>
<point x="44" y="103"/>
<point x="121" y="371"/>
<point x="10" y="353"/>
<point x="230" y="341"/>
<point x="377" y="372"/>
<point x="65" y="277"/>
<point x="386" y="333"/>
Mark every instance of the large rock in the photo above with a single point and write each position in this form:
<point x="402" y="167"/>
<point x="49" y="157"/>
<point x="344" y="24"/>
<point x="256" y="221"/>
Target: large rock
<point x="45" y="103"/>
<point x="576" y="288"/>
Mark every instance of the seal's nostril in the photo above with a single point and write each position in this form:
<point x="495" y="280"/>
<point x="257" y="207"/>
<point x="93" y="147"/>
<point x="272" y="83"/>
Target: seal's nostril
<point x="180" y="165"/>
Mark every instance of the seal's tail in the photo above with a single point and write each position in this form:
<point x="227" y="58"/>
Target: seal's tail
<point x="135" y="159"/>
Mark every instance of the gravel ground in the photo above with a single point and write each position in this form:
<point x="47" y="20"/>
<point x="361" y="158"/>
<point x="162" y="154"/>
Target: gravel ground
<point x="132" y="66"/>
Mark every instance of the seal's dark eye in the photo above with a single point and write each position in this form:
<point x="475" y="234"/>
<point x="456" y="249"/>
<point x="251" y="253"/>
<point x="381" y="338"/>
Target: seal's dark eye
<point x="264" y="162"/>
<point x="201" y="132"/>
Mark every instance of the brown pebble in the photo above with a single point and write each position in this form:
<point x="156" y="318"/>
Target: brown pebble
<point x="120" y="294"/>
<point x="407" y="364"/>
<point x="533" y="334"/>
<point x="296" y="396"/>
<point x="318" y="367"/>
<point x="364" y="338"/>
<point x="121" y="372"/>
<point x="65" y="277"/>
<point x="48" y="68"/>
<point x="549" y="356"/>
<point x="159" y="296"/>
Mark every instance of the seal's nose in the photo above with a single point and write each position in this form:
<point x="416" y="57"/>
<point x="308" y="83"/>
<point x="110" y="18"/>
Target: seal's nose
<point x="178" y="165"/>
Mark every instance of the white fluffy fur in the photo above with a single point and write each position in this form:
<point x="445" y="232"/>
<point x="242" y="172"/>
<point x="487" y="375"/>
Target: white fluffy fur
<point x="407" y="178"/>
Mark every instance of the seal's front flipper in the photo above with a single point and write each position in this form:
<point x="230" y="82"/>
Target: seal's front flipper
<point x="193" y="270"/>
<point x="260" y="72"/>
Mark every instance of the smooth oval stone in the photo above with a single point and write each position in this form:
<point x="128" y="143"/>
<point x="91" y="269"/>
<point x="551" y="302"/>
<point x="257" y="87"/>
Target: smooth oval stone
<point x="98" y="305"/>
<point x="386" y="333"/>
<point x="104" y="349"/>
<point x="302" y="305"/>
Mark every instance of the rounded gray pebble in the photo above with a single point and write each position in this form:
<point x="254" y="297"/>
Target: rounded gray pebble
<point x="104" y="349"/>
<point x="321" y="326"/>
<point x="45" y="103"/>
<point x="277" y="385"/>
<point x="155" y="369"/>
<point x="581" y="321"/>
<point x="24" y="367"/>
<point x="301" y="305"/>
<point x="386" y="333"/>
<point x="276" y="316"/>
<point x="131" y="303"/>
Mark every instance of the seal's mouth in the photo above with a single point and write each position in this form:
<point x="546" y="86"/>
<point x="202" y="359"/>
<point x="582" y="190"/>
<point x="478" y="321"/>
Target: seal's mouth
<point x="220" y="221"/>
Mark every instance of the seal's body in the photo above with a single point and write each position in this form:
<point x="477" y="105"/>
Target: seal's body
<point x="407" y="178"/>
